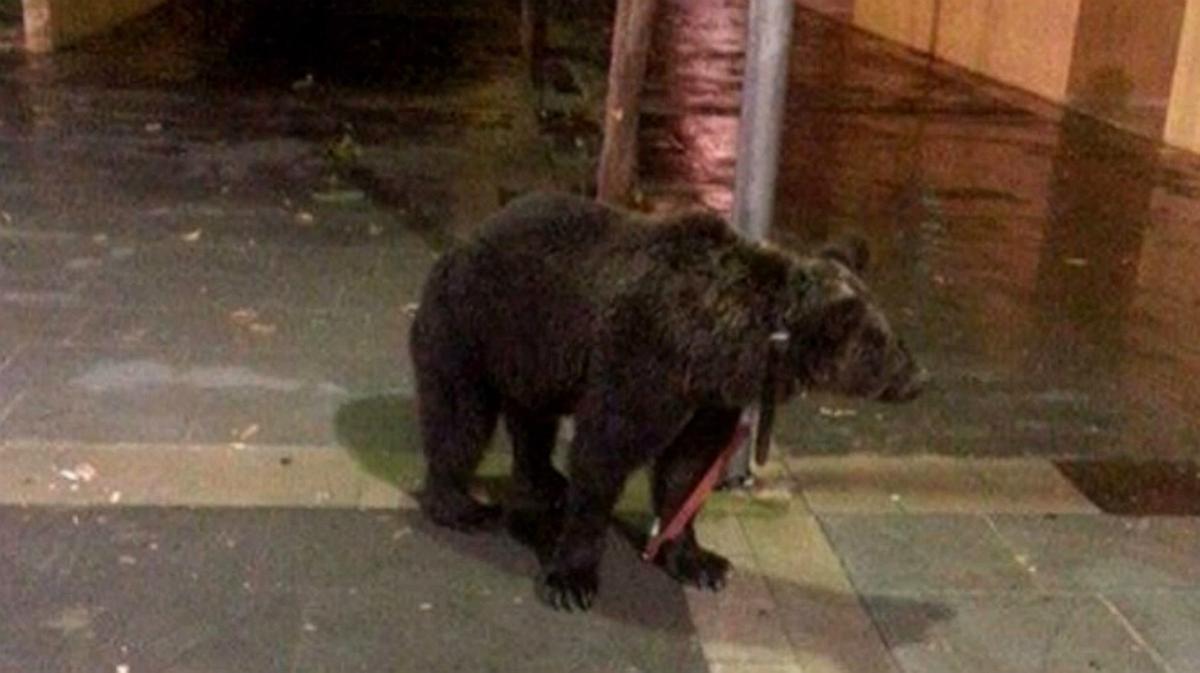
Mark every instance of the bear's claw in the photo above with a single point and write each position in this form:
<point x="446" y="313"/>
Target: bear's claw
<point x="569" y="589"/>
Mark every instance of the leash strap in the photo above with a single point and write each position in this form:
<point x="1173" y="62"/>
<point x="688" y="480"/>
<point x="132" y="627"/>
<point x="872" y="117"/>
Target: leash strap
<point x="700" y="492"/>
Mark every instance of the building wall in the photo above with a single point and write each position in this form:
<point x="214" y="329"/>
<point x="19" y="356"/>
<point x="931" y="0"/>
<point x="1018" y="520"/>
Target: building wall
<point x="1026" y="44"/>
<point x="1136" y="64"/>
<point x="52" y="24"/>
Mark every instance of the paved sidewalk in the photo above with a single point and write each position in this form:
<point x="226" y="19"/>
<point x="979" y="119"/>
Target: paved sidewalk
<point x="298" y="559"/>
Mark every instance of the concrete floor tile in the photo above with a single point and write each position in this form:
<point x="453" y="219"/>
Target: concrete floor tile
<point x="252" y="590"/>
<point x="303" y="417"/>
<point x="72" y="415"/>
<point x="723" y="534"/>
<point x="95" y="395"/>
<point x="818" y="608"/>
<point x="751" y="667"/>
<point x="162" y="475"/>
<point x="1101" y="553"/>
<point x="1168" y="622"/>
<point x="741" y="622"/>
<point x="38" y="325"/>
<point x="1029" y="486"/>
<point x="933" y="484"/>
<point x="924" y="555"/>
<point x="872" y="484"/>
<point x="1011" y="634"/>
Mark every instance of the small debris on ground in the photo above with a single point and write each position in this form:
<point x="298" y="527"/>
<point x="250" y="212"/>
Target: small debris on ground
<point x="249" y="431"/>
<point x="192" y="236"/>
<point x="154" y="127"/>
<point x="81" y="472"/>
<point x="411" y="309"/>
<point x="305" y="218"/>
<point x="244" y="316"/>
<point x="1075" y="261"/>
<point x="832" y="412"/>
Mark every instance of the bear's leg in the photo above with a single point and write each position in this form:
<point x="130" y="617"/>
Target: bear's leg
<point x="615" y="434"/>
<point x="533" y="436"/>
<point x="458" y="416"/>
<point x="676" y="472"/>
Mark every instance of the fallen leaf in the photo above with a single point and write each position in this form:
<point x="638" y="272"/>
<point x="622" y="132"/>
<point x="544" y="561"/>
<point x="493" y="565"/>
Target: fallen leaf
<point x="244" y="316"/>
<point x="81" y="472"/>
<point x="192" y="236"/>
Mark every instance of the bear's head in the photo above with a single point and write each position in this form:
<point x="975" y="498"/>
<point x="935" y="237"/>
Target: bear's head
<point x="840" y="341"/>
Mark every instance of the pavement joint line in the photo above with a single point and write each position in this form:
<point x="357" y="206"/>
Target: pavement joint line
<point x="1136" y="635"/>
<point x="12" y="404"/>
<point x="859" y="598"/>
<point x="1030" y="571"/>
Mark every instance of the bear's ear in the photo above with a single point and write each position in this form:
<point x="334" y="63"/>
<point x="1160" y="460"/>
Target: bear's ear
<point x="849" y="249"/>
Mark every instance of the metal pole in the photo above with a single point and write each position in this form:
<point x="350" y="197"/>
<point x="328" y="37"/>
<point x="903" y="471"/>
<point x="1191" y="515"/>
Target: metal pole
<point x="764" y="89"/>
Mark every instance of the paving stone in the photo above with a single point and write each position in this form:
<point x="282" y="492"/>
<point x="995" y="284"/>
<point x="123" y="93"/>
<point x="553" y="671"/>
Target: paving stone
<point x="1088" y="553"/>
<point x="213" y="332"/>
<point x="925" y="555"/>
<point x="78" y="474"/>
<point x="37" y="325"/>
<point x="271" y="589"/>
<point x="724" y="535"/>
<point x="1168" y="622"/>
<point x="933" y="484"/>
<point x="1009" y="634"/>
<point x="820" y="612"/>
<point x="740" y="624"/>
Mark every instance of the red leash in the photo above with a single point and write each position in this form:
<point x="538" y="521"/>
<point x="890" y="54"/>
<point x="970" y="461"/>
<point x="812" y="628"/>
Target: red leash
<point x="696" y="498"/>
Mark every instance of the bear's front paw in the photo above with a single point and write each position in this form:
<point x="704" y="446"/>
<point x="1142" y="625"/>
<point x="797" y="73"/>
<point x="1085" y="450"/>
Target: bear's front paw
<point x="689" y="563"/>
<point x="569" y="589"/>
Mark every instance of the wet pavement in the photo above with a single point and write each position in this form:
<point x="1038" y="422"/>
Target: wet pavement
<point x="213" y="227"/>
<point x="1037" y="260"/>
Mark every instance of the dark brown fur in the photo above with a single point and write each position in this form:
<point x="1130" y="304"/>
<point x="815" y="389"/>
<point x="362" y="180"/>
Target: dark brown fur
<point x="653" y="334"/>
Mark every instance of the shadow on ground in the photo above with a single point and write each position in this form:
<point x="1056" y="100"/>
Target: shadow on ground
<point x="381" y="433"/>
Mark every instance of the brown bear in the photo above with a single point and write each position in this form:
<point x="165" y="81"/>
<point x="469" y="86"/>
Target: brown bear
<point x="653" y="334"/>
